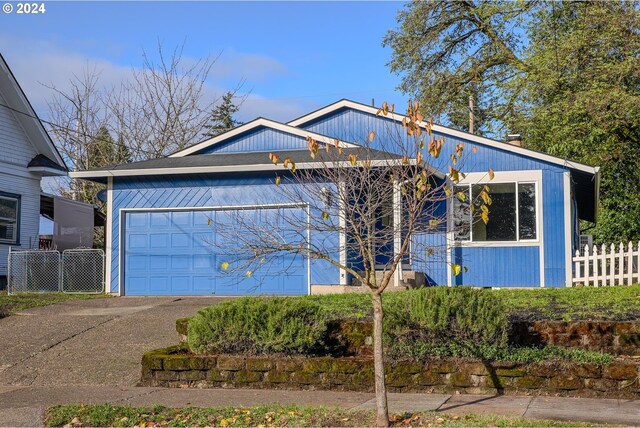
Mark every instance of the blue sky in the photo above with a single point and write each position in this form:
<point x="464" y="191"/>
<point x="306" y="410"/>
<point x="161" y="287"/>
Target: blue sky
<point x="295" y="56"/>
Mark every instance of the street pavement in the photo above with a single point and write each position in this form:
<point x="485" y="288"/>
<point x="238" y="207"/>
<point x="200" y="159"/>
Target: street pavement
<point x="90" y="351"/>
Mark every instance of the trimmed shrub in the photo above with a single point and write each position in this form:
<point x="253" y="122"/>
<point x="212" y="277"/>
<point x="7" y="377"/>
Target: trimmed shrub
<point x="259" y="325"/>
<point x="435" y="316"/>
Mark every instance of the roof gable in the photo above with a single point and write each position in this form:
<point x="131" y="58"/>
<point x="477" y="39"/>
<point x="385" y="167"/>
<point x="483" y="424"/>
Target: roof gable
<point x="335" y="118"/>
<point x="256" y="136"/>
<point x="19" y="105"/>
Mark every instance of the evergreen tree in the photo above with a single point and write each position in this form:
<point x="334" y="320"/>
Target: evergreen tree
<point x="222" y="119"/>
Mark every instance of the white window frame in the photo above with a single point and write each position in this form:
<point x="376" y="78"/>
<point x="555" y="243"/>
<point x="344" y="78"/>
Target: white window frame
<point x="504" y="177"/>
<point x="16" y="237"/>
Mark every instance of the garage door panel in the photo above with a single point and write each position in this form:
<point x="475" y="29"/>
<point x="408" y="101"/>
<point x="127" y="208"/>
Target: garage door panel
<point x="137" y="220"/>
<point x="158" y="241"/>
<point x="137" y="241"/>
<point x="160" y="219"/>
<point x="181" y="218"/>
<point x="158" y="262"/>
<point x="159" y="285"/>
<point x="179" y="253"/>
<point x="137" y="284"/>
<point x="180" y="262"/>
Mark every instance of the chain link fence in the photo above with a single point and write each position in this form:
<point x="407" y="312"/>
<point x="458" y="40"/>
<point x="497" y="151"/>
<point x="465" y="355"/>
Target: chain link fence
<point x="82" y="271"/>
<point x="46" y="271"/>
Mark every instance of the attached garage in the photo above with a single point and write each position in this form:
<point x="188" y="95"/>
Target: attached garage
<point x="179" y="252"/>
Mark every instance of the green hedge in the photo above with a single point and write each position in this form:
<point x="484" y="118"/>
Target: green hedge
<point x="257" y="325"/>
<point x="298" y="325"/>
<point x="432" y="317"/>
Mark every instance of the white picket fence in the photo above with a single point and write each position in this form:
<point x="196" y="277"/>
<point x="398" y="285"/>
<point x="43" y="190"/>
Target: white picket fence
<point x="598" y="267"/>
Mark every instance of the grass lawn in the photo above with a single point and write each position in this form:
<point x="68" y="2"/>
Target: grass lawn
<point x="271" y="416"/>
<point x="19" y="302"/>
<point x="569" y="304"/>
<point x="563" y="304"/>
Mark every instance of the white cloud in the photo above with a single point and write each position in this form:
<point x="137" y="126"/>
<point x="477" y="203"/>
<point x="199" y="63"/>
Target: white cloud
<point x="252" y="67"/>
<point x="38" y="64"/>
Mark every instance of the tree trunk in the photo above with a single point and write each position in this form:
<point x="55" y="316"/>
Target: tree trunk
<point x="382" y="409"/>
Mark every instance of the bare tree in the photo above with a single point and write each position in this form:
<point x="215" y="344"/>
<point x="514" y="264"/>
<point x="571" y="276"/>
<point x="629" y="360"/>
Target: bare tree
<point x="367" y="208"/>
<point x="162" y="108"/>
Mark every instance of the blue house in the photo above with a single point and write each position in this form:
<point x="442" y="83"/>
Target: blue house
<point x="159" y="237"/>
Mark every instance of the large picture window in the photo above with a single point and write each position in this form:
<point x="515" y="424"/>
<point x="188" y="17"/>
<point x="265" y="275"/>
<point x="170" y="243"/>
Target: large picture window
<point x="9" y="218"/>
<point x="512" y="214"/>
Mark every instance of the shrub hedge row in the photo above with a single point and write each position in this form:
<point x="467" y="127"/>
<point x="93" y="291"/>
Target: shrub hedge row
<point x="418" y="319"/>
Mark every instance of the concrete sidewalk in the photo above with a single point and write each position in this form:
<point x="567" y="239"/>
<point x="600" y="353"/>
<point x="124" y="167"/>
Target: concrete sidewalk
<point x="25" y="406"/>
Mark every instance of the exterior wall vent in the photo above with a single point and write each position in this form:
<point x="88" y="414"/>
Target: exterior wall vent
<point x="514" y="139"/>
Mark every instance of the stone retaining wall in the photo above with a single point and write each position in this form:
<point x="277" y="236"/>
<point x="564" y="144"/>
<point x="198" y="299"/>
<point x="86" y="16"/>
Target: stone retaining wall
<point x="614" y="337"/>
<point x="175" y="367"/>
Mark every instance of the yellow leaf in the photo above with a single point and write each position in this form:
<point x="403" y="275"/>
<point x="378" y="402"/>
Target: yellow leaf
<point x="286" y="162"/>
<point x="372" y="135"/>
<point x="491" y="174"/>
<point x="262" y="260"/>
<point x="325" y="215"/>
<point x="209" y="222"/>
<point x="224" y="265"/>
<point x="456" y="269"/>
<point x="421" y="145"/>
<point x="274" y="158"/>
<point x="462" y="196"/>
<point x="448" y="192"/>
<point x="485" y="217"/>
<point x="429" y="252"/>
<point x="293" y="167"/>
<point x="353" y="159"/>
<point x="277" y="180"/>
<point x="419" y="158"/>
<point x="249" y="273"/>
<point x="405" y="160"/>
<point x="453" y="173"/>
<point x="433" y="223"/>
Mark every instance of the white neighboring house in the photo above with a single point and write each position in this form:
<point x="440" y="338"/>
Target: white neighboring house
<point x="27" y="154"/>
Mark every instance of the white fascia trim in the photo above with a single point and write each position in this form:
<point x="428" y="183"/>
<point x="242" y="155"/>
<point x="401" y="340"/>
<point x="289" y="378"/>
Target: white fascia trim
<point x="449" y="131"/>
<point x="255" y="124"/>
<point x="228" y="168"/>
<point x="108" y="237"/>
<point x="501" y="177"/>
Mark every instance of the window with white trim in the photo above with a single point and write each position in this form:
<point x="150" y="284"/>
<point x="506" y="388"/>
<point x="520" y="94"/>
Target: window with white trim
<point x="9" y="218"/>
<point x="512" y="213"/>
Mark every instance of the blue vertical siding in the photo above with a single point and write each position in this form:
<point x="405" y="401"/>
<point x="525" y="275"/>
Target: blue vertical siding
<point x="353" y="125"/>
<point x="497" y="266"/>
<point x="259" y="139"/>
<point x="200" y="191"/>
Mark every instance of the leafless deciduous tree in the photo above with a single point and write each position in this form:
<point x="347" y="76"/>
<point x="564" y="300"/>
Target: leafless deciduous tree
<point x="363" y="210"/>
<point x="161" y="108"/>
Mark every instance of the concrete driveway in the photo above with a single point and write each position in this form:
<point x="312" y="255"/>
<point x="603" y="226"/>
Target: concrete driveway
<point x="89" y="342"/>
